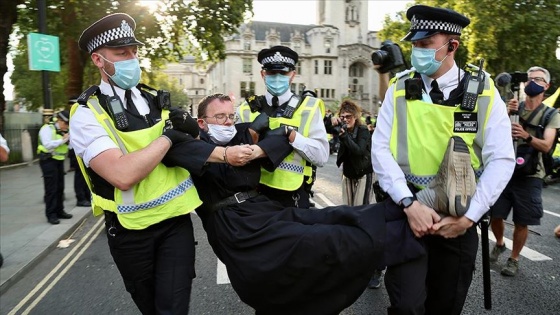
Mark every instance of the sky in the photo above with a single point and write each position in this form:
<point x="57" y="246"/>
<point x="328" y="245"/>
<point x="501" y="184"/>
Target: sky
<point x="305" y="13"/>
<point x="286" y="11"/>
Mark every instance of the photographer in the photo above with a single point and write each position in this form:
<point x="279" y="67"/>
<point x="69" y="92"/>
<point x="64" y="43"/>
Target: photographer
<point x="52" y="150"/>
<point x="532" y="138"/>
<point x="354" y="155"/>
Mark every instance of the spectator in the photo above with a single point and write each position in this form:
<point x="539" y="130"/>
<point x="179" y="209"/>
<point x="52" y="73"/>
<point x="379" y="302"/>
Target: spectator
<point x="522" y="194"/>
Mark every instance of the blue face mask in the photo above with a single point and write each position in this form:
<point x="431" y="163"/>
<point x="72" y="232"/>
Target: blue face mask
<point x="277" y="84"/>
<point x="533" y="89"/>
<point x="127" y="73"/>
<point x="424" y="60"/>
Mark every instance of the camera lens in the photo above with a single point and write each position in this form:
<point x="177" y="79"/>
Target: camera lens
<point x="378" y="57"/>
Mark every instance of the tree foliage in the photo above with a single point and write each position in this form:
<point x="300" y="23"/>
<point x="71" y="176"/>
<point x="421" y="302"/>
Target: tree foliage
<point x="511" y="35"/>
<point x="175" y="29"/>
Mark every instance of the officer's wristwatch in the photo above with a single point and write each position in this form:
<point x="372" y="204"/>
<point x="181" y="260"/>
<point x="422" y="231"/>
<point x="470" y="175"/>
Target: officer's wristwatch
<point x="289" y="130"/>
<point x="529" y="139"/>
<point x="407" y="202"/>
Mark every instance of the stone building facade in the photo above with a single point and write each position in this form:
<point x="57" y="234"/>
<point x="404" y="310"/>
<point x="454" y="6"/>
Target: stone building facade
<point x="334" y="58"/>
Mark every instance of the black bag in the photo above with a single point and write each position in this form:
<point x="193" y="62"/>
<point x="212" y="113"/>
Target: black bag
<point x="526" y="161"/>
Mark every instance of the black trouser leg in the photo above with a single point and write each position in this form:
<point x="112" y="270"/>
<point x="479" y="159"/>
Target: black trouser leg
<point x="59" y="186"/>
<point x="49" y="168"/>
<point x="80" y="187"/>
<point x="406" y="287"/>
<point x="157" y="263"/>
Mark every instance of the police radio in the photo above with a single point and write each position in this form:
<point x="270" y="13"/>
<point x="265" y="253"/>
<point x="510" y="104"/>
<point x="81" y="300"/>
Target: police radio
<point x="116" y="109"/>
<point x="474" y="87"/>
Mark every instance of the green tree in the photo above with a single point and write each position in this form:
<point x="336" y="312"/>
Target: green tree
<point x="509" y="34"/>
<point x="175" y="29"/>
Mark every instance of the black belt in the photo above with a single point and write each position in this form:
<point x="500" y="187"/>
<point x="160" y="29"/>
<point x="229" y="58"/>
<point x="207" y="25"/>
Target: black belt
<point x="239" y="197"/>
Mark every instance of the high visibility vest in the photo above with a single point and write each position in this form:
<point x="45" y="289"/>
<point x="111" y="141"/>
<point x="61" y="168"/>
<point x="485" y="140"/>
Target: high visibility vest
<point x="59" y="153"/>
<point x="290" y="174"/>
<point x="421" y="131"/>
<point x="165" y="193"/>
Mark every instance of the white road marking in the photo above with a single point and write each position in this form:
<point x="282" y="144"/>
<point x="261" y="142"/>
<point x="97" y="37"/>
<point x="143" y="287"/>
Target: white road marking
<point x="221" y="273"/>
<point x="552" y="213"/>
<point x="525" y="252"/>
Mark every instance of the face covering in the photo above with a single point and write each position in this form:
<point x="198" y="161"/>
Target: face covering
<point x="533" y="89"/>
<point x="221" y="134"/>
<point x="127" y="73"/>
<point x="424" y="60"/>
<point x="277" y="84"/>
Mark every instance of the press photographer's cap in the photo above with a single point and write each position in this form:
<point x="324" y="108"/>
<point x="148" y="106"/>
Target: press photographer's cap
<point x="279" y="58"/>
<point x="427" y="21"/>
<point x="114" y="30"/>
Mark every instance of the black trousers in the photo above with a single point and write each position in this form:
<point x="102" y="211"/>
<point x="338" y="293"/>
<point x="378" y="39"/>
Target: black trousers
<point x="437" y="283"/>
<point x="298" y="198"/>
<point x="80" y="187"/>
<point x="156" y="264"/>
<point x="53" y="179"/>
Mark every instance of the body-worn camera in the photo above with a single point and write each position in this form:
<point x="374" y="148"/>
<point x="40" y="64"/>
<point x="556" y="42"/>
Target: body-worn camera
<point x="413" y="89"/>
<point x="163" y="99"/>
<point x="389" y="56"/>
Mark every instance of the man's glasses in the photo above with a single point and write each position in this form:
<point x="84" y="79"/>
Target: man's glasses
<point x="222" y="118"/>
<point x="346" y="117"/>
<point x="536" y="79"/>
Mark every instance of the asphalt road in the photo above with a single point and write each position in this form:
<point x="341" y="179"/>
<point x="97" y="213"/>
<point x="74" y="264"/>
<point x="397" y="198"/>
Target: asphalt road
<point x="82" y="278"/>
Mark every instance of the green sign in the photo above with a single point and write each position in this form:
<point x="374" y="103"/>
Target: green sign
<point x="44" y="52"/>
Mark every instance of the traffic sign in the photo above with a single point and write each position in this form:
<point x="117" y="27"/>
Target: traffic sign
<point x="44" y="52"/>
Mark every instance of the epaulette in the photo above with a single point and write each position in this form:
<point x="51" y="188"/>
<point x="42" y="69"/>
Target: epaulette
<point x="84" y="97"/>
<point x="403" y="73"/>
<point x="149" y="89"/>
<point x="256" y="102"/>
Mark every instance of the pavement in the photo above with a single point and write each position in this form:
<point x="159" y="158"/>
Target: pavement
<point x="25" y="235"/>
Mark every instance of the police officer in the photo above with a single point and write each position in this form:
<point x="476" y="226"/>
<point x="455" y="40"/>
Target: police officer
<point x="81" y="189"/>
<point x="117" y="130"/>
<point x="302" y="116"/>
<point x="413" y="132"/>
<point x="52" y="150"/>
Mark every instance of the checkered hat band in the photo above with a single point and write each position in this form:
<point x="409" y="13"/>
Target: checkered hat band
<point x="430" y="25"/>
<point x="108" y="36"/>
<point x="278" y="58"/>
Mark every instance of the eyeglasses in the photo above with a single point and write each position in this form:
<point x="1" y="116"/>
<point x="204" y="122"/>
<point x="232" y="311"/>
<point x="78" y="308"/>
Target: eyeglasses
<point x="222" y="118"/>
<point x="536" y="79"/>
<point x="346" y="117"/>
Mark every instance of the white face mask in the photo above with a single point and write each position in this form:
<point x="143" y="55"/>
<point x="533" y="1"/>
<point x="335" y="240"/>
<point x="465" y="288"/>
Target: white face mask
<point x="221" y="134"/>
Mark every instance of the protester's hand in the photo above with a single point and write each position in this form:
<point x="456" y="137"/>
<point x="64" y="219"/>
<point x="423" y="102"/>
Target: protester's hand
<point x="451" y="227"/>
<point x="183" y="121"/>
<point x="517" y="131"/>
<point x="421" y="218"/>
<point x="66" y="137"/>
<point x="239" y="155"/>
<point x="260" y="124"/>
<point x="513" y="105"/>
<point x="335" y="121"/>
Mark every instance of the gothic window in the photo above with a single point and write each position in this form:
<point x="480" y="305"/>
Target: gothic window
<point x="316" y="66"/>
<point x="328" y="45"/>
<point x="298" y="66"/>
<point x="247" y="65"/>
<point x="247" y="45"/>
<point x="328" y="66"/>
<point x="247" y="88"/>
<point x="356" y="70"/>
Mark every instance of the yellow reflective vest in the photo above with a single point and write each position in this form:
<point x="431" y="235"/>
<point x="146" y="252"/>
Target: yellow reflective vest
<point x="290" y="174"/>
<point x="421" y="131"/>
<point x="59" y="153"/>
<point x="165" y="193"/>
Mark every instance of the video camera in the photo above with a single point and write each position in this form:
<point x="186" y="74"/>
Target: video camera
<point x="513" y="79"/>
<point x="389" y="56"/>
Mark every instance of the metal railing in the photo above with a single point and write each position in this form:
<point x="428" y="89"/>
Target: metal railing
<point x="14" y="138"/>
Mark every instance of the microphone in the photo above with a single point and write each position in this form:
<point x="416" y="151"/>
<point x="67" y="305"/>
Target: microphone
<point x="503" y="79"/>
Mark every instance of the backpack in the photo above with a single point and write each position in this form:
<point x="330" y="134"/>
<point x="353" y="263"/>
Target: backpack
<point x="548" y="160"/>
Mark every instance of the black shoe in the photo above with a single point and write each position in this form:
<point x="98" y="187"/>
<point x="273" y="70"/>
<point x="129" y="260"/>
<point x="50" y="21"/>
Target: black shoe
<point x="54" y="221"/>
<point x="64" y="215"/>
<point x="83" y="204"/>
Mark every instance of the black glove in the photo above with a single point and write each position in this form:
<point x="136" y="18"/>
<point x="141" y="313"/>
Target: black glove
<point x="260" y="124"/>
<point x="175" y="136"/>
<point x="182" y="121"/>
<point x="280" y="131"/>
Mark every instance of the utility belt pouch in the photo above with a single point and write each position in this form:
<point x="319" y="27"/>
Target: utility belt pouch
<point x="44" y="156"/>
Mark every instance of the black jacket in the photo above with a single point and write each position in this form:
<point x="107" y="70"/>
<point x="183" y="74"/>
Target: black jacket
<point x="355" y="153"/>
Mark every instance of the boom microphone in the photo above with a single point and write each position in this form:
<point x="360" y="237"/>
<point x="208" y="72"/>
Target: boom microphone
<point x="503" y="79"/>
